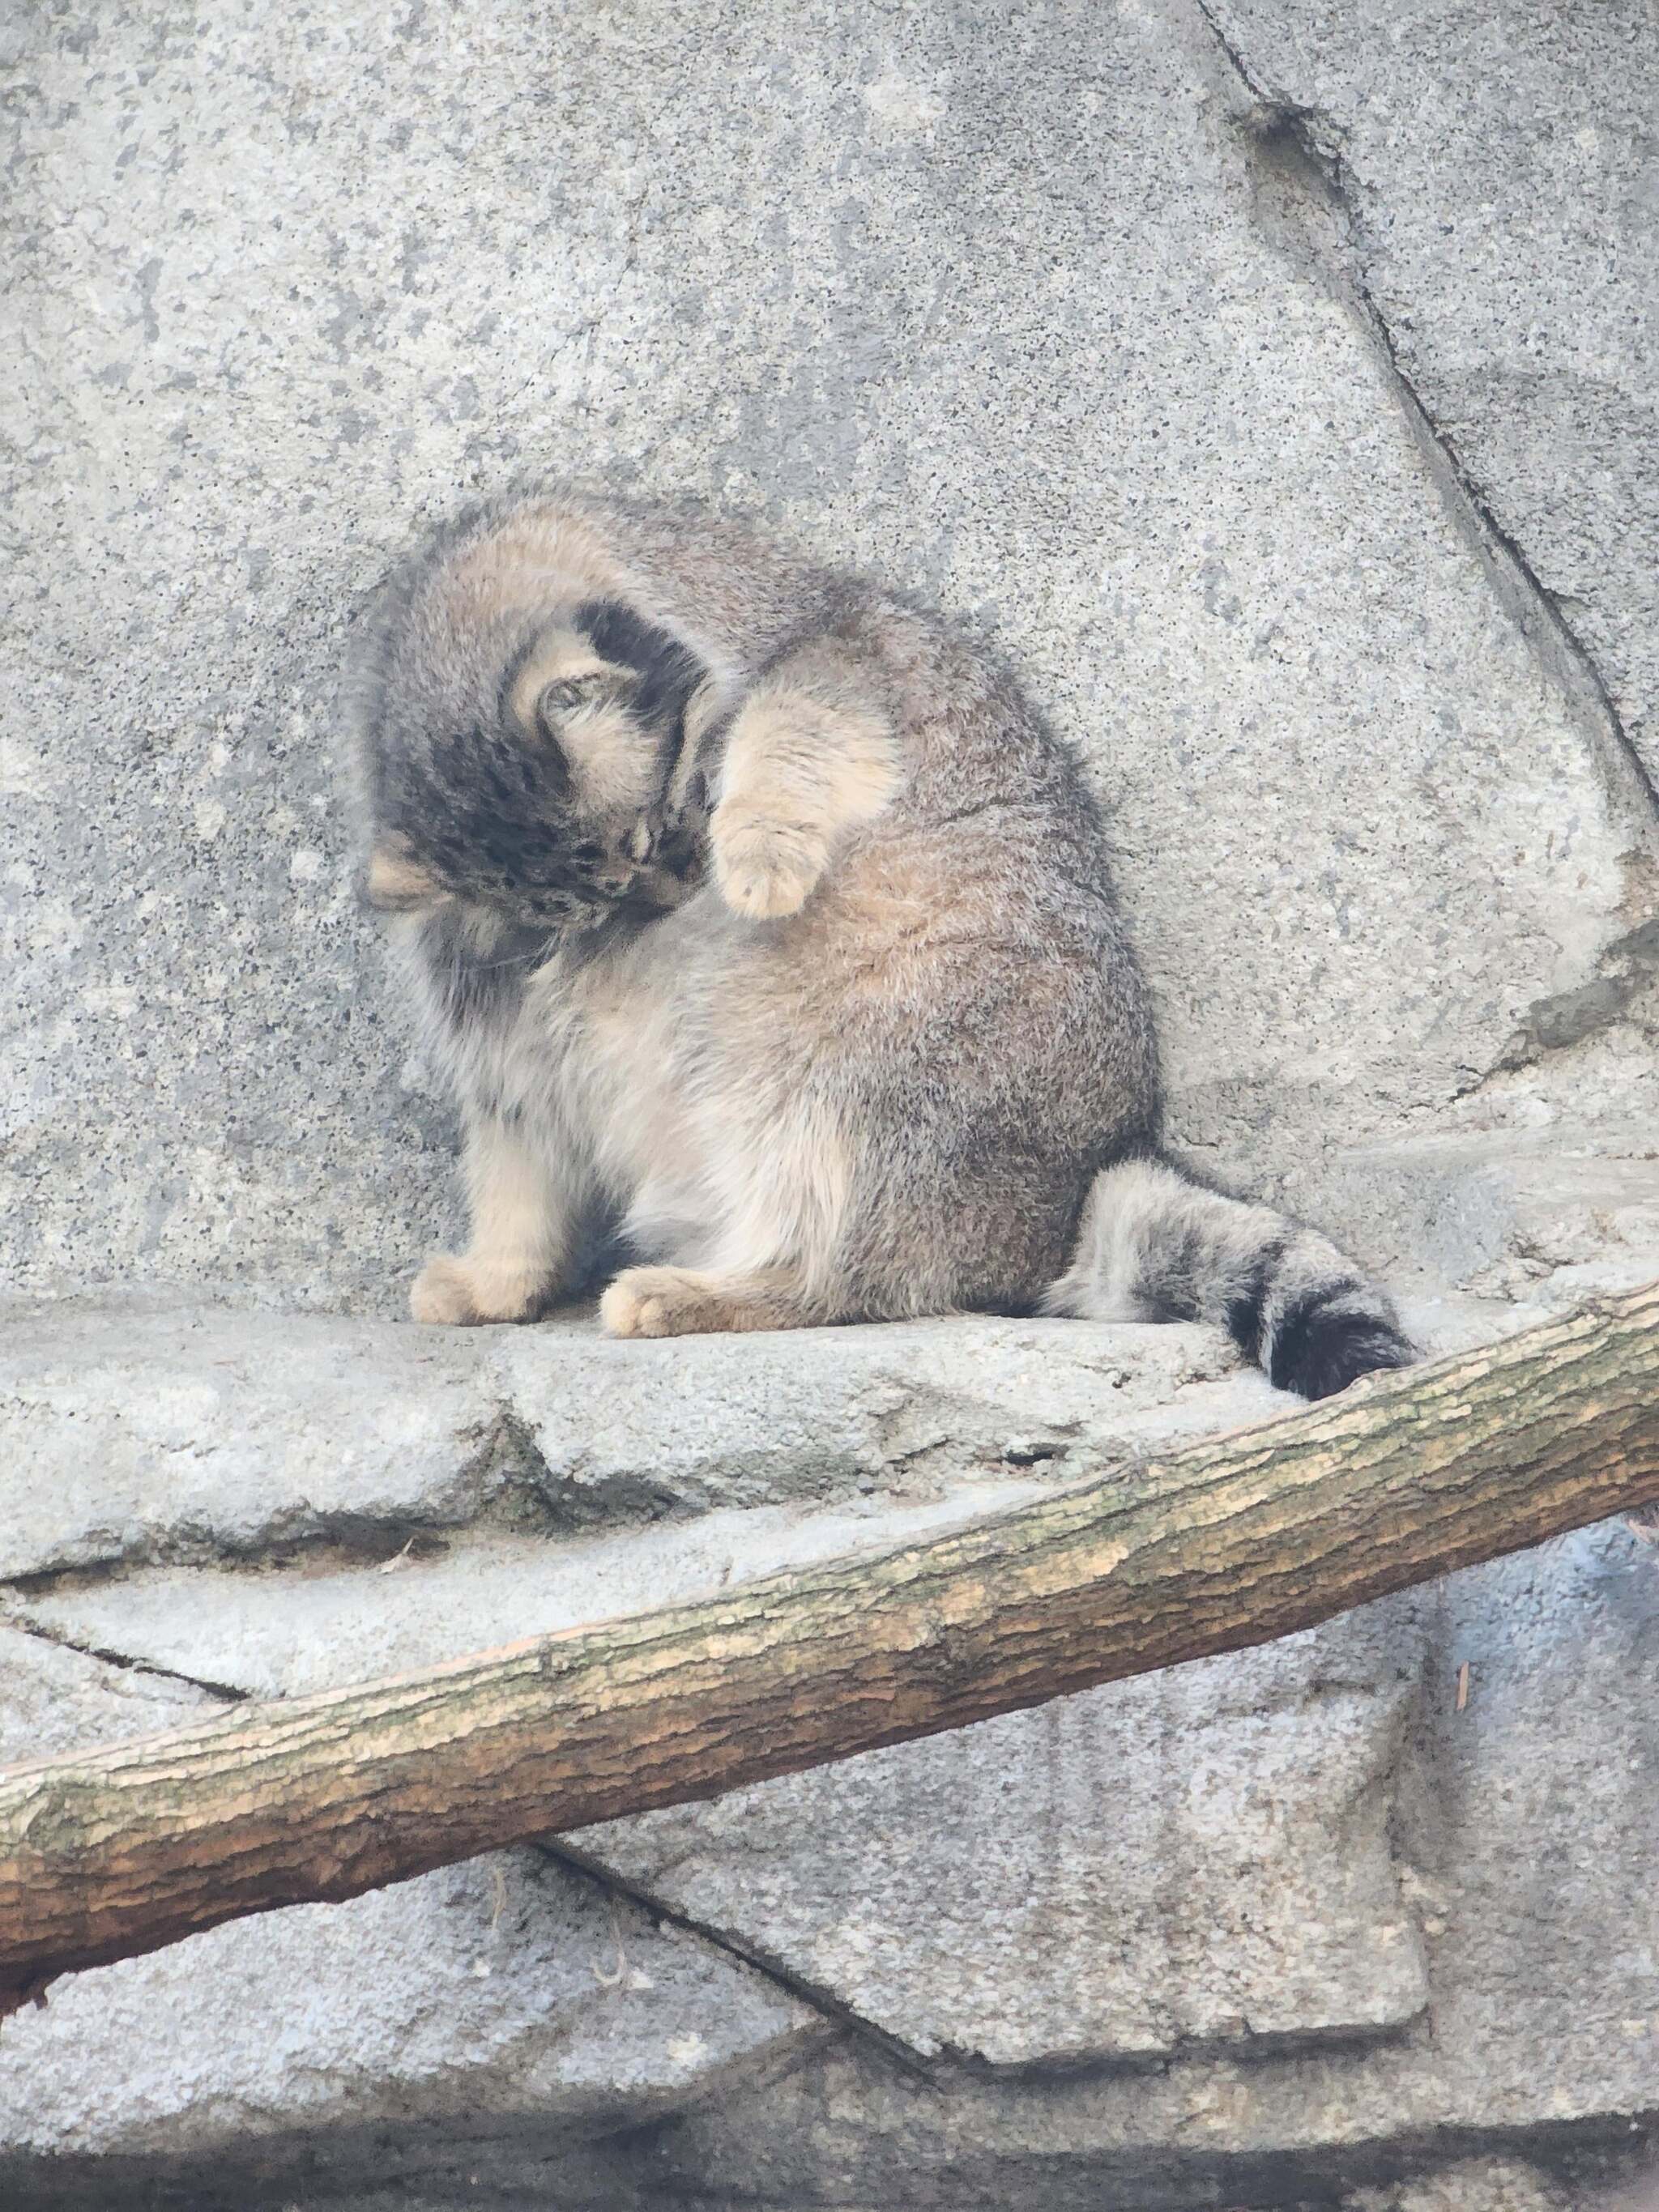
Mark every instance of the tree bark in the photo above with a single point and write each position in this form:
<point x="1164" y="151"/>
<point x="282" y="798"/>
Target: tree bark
<point x="113" y="1852"/>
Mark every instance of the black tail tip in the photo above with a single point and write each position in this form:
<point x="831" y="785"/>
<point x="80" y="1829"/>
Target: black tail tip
<point x="1317" y="1351"/>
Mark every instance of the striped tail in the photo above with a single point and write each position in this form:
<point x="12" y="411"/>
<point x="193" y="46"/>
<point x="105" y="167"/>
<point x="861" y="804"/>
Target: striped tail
<point x="1153" y="1246"/>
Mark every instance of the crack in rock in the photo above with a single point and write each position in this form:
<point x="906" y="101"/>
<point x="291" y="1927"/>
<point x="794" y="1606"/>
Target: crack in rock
<point x="1296" y="152"/>
<point x="224" y="1693"/>
<point x="829" y="2008"/>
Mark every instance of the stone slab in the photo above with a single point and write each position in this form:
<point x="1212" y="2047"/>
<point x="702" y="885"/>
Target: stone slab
<point x="53" y="1700"/>
<point x="335" y="1621"/>
<point x="512" y="1995"/>
<point x="155" y="1432"/>
<point x="1523" y="1838"/>
<point x="692" y="1422"/>
<point x="1194" y="1857"/>
<point x="508" y="1995"/>
<point x="134" y="1432"/>
<point x="1504" y="1217"/>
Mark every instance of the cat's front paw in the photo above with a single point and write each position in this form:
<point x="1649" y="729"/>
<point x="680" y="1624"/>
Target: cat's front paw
<point x="764" y="868"/>
<point x="457" y="1294"/>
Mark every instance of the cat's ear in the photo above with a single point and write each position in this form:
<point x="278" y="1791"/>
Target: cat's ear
<point x="397" y="882"/>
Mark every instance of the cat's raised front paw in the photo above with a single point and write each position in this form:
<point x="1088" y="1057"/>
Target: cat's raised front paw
<point x="458" y="1293"/>
<point x="765" y="869"/>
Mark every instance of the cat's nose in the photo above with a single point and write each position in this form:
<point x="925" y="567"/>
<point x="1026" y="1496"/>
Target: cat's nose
<point x="660" y="887"/>
<point x="643" y="843"/>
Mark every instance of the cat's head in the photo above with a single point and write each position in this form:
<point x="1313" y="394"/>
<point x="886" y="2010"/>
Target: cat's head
<point x="539" y="770"/>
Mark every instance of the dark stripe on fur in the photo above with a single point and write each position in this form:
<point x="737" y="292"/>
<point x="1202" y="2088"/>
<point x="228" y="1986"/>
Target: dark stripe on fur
<point x="1316" y="1352"/>
<point x="668" y="671"/>
<point x="1174" y="1285"/>
<point x="514" y="668"/>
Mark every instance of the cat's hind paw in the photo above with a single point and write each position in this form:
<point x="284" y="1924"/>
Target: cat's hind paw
<point x="679" y="1302"/>
<point x="660" y="1301"/>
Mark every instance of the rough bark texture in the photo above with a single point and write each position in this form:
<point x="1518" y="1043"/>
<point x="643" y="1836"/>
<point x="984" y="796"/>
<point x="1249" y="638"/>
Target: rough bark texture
<point x="111" y="1853"/>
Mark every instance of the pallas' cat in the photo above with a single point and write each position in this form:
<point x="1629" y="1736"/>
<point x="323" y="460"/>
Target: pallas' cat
<point x="758" y="920"/>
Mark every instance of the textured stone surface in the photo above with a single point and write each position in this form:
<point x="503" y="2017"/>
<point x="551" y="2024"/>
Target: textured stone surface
<point x="131" y="1432"/>
<point x="151" y="1432"/>
<point x="1520" y="1218"/>
<point x="990" y="300"/>
<point x="1201" y="1855"/>
<point x="339" y="1618"/>
<point x="1503" y="171"/>
<point x="1523" y="1844"/>
<point x="718" y="1420"/>
<point x="1326" y="1907"/>
<point x="1468" y="2185"/>
<point x="1198" y="1856"/>
<point x="1274" y="382"/>
<point x="1471" y="2186"/>
<point x="404" y="1493"/>
<point x="147" y="1432"/>
<point x="54" y="1699"/>
<point x="1501" y="2185"/>
<point x="1294" y="1858"/>
<point x="507" y="1995"/>
<point x="511" y="1995"/>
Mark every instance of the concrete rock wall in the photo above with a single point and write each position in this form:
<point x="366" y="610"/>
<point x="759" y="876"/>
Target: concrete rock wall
<point x="1272" y="382"/>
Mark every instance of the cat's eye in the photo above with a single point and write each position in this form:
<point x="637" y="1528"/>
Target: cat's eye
<point x="559" y="698"/>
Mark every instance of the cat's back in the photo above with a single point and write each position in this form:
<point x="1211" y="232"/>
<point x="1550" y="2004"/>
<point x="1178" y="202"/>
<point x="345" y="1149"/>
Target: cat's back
<point x="968" y="937"/>
<point x="725" y="584"/>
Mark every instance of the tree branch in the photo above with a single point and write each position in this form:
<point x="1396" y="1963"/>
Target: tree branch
<point x="108" y="1853"/>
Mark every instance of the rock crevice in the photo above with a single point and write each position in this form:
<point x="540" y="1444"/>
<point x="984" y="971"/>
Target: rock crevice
<point x="1303" y="166"/>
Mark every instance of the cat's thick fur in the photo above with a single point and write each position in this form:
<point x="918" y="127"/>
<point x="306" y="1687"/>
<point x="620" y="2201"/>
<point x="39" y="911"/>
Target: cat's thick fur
<point x="757" y="916"/>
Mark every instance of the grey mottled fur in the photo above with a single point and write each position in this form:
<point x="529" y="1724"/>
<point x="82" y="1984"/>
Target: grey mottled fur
<point x="789" y="949"/>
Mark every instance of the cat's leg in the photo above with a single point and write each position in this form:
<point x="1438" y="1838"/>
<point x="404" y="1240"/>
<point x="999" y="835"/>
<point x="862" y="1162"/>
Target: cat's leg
<point x="523" y="1219"/>
<point x="779" y="1171"/>
<point x="689" y="1302"/>
<point x="810" y="754"/>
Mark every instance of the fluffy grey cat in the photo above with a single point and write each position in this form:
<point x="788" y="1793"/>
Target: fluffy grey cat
<point x="757" y="918"/>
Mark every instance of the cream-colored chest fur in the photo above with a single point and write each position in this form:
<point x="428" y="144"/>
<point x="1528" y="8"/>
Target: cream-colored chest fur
<point x="665" y="1070"/>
